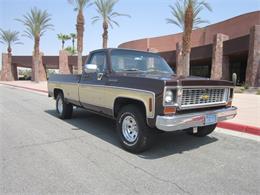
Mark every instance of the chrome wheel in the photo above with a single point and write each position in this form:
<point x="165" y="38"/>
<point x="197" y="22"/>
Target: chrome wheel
<point x="130" y="129"/>
<point x="60" y="105"/>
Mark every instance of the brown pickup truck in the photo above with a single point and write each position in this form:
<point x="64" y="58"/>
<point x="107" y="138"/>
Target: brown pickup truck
<point x="142" y="93"/>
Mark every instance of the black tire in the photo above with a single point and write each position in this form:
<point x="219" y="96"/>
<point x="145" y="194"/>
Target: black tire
<point x="202" y="131"/>
<point x="66" y="109"/>
<point x="145" y="134"/>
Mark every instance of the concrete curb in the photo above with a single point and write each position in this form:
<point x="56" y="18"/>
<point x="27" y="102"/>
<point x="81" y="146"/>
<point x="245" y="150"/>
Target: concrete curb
<point x="225" y="125"/>
<point x="29" y="88"/>
<point x="239" y="127"/>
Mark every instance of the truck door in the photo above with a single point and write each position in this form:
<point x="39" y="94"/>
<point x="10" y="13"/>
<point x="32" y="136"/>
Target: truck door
<point x="92" y="85"/>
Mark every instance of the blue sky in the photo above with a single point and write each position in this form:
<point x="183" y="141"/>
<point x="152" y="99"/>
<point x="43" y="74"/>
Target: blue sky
<point x="147" y="20"/>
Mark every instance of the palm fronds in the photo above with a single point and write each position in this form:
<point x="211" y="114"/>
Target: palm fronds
<point x="36" y="22"/>
<point x="105" y="10"/>
<point x="179" y="9"/>
<point x="9" y="37"/>
<point x="79" y="4"/>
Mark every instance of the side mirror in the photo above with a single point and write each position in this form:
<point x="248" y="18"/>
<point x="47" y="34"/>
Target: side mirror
<point x="90" y="68"/>
<point x="234" y="78"/>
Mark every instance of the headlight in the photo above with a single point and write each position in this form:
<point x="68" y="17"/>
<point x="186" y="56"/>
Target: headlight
<point x="168" y="96"/>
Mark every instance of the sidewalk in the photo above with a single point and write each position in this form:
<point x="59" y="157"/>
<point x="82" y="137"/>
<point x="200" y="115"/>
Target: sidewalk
<point x="248" y="109"/>
<point x="40" y="87"/>
<point x="247" y="119"/>
<point x="248" y="116"/>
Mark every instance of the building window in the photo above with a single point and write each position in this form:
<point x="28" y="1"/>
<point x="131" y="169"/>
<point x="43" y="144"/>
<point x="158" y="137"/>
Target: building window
<point x="200" y="70"/>
<point x="238" y="66"/>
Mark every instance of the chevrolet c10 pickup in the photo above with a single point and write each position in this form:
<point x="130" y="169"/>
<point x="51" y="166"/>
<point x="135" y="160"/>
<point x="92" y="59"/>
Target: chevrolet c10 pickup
<point x="143" y="95"/>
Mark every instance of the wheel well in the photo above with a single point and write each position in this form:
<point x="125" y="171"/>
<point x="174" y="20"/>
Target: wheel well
<point x="121" y="102"/>
<point x="56" y="92"/>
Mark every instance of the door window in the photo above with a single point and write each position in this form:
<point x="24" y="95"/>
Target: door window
<point x="100" y="60"/>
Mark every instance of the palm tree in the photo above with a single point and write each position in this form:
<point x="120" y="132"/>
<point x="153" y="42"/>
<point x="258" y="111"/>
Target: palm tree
<point x="9" y="38"/>
<point x="73" y="37"/>
<point x="36" y="23"/>
<point x="106" y="14"/>
<point x="63" y="38"/>
<point x="185" y="14"/>
<point x="70" y="50"/>
<point x="80" y="5"/>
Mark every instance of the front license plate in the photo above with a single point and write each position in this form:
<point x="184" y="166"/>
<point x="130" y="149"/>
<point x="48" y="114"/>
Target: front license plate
<point x="210" y="119"/>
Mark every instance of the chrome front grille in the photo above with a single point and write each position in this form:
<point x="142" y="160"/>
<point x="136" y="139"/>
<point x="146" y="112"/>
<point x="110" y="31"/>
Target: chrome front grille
<point x="204" y="96"/>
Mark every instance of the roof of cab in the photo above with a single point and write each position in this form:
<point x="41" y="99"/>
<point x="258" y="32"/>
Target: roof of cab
<point x="120" y="49"/>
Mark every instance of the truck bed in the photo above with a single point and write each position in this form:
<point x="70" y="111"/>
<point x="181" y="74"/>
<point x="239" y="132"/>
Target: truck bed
<point x="68" y="84"/>
<point x="63" y="78"/>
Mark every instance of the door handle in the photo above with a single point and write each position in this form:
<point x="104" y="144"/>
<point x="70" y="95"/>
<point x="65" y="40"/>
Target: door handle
<point x="99" y="76"/>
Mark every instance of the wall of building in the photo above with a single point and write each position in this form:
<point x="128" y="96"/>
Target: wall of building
<point x="218" y="50"/>
<point x="235" y="27"/>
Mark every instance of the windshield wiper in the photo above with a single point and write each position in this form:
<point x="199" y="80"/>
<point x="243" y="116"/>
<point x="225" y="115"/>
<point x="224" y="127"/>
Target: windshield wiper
<point x="158" y="71"/>
<point x="132" y="69"/>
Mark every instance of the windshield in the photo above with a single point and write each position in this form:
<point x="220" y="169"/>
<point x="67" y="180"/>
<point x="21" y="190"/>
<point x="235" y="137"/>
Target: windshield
<point x="123" y="61"/>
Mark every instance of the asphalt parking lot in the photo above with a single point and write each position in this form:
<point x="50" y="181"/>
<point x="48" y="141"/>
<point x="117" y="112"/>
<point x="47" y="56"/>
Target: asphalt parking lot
<point x="42" y="154"/>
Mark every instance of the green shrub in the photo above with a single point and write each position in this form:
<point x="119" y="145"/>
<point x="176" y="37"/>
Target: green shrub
<point x="245" y="86"/>
<point x="258" y="92"/>
<point x="239" y="90"/>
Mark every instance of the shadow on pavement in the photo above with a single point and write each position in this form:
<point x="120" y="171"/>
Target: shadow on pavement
<point x="165" y="144"/>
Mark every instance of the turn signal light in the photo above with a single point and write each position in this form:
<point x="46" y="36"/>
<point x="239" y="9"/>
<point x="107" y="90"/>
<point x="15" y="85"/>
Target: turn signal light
<point x="169" y="110"/>
<point x="229" y="104"/>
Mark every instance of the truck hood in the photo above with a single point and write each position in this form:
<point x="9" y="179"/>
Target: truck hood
<point x="174" y="80"/>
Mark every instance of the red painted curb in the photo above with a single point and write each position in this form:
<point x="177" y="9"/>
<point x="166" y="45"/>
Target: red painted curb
<point x="29" y="88"/>
<point x="239" y="127"/>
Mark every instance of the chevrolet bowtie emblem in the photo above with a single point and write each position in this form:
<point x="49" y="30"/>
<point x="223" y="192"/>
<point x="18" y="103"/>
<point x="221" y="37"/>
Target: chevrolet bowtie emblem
<point x="204" y="97"/>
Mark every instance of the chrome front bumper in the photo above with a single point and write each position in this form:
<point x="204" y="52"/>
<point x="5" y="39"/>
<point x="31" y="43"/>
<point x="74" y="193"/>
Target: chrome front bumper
<point x="184" y="121"/>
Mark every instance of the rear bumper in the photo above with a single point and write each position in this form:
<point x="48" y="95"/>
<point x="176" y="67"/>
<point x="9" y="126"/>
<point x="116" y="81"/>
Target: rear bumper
<point x="184" y="121"/>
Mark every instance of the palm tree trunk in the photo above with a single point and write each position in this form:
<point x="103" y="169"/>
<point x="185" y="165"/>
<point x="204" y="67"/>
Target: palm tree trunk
<point x="73" y="45"/>
<point x="186" y="63"/>
<point x="62" y="44"/>
<point x="36" y="58"/>
<point x="105" y="34"/>
<point x="9" y="60"/>
<point x="179" y="59"/>
<point x="186" y="39"/>
<point x="80" y="31"/>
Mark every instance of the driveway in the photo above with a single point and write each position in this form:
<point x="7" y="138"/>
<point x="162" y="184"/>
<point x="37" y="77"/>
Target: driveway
<point x="42" y="154"/>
